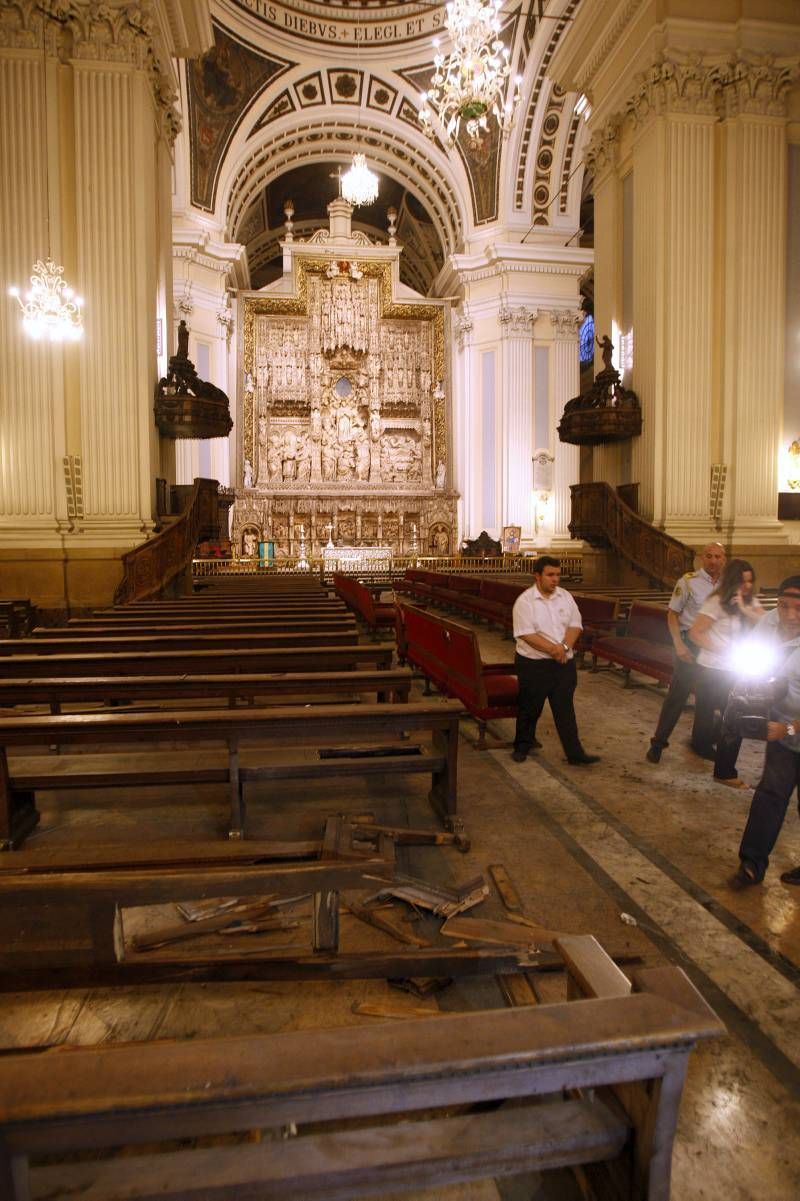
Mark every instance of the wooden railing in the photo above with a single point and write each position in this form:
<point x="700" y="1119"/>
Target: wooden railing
<point x="602" y="518"/>
<point x="152" y="567"/>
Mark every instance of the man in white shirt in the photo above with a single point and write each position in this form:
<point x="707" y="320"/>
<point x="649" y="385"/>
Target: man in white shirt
<point x="547" y="625"/>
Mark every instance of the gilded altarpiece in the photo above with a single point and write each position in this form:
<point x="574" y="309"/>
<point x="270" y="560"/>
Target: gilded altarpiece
<point x="343" y="424"/>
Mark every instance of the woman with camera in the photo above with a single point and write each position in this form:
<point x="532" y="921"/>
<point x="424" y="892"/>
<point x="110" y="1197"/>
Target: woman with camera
<point x="730" y="611"/>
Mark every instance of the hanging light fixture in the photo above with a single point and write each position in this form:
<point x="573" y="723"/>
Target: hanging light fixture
<point x="359" y="184"/>
<point x="470" y="84"/>
<point x="50" y="310"/>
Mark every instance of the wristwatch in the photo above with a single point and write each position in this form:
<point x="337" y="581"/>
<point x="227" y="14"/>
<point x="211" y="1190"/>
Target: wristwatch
<point x="791" y="729"/>
<point x="566" y="648"/>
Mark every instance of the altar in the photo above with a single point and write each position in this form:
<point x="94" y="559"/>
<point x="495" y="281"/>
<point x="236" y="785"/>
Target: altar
<point x="343" y="426"/>
<point x="353" y="560"/>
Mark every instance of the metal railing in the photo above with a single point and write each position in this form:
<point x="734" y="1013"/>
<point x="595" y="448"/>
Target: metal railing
<point x="520" y="564"/>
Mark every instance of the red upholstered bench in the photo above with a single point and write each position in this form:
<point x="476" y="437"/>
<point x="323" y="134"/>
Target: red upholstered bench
<point x="360" y="599"/>
<point x="449" y="656"/>
<point x="645" y="646"/>
<point x="417" y="583"/>
<point x="495" y="602"/>
<point x="600" y="616"/>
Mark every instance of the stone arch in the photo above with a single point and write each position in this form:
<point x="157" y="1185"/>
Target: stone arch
<point x="399" y="153"/>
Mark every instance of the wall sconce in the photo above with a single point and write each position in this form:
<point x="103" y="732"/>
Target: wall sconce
<point x="542" y="487"/>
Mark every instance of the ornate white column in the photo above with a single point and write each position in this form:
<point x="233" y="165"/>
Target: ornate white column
<point x="566" y="385"/>
<point x="753" y="320"/>
<point x="32" y="495"/>
<point x="516" y="407"/>
<point x="465" y="424"/>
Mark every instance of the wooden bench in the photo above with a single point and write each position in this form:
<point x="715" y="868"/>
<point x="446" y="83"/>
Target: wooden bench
<point x="375" y="614"/>
<point x="491" y="600"/>
<point x="645" y="645"/>
<point x="199" y="662"/>
<point x="333" y="726"/>
<point x="449" y="656"/>
<point x="391" y="684"/>
<point x="191" y="627"/>
<point x="595" y="1085"/>
<point x="64" y="919"/>
<point x="168" y="642"/>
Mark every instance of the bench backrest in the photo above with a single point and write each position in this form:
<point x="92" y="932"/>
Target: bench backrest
<point x="597" y="610"/>
<point x="359" y="596"/>
<point x="649" y="622"/>
<point x="464" y="583"/>
<point x="503" y="591"/>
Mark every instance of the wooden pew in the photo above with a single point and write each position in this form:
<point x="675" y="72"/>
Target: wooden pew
<point x="391" y="684"/>
<point x="595" y="1085"/>
<point x="199" y="662"/>
<point x="362" y="601"/>
<point x="63" y="912"/>
<point x="449" y="656"/>
<point x="168" y="642"/>
<point x="191" y="626"/>
<point x="287" y="726"/>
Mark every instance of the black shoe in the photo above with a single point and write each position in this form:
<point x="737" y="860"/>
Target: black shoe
<point x="746" y="877"/>
<point x="519" y="756"/>
<point x="583" y="760"/>
<point x="791" y="877"/>
<point x="536" y="745"/>
<point x="654" y="754"/>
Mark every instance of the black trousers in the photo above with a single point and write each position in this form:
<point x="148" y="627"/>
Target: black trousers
<point x="711" y="696"/>
<point x="683" y="682"/>
<point x="768" y="807"/>
<point x="543" y="680"/>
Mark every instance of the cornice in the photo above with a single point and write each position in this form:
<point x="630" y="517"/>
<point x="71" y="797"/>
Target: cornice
<point x="501" y="259"/>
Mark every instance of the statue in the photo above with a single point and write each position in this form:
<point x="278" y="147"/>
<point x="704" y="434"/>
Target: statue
<point x="303" y="460"/>
<point x="289" y="455"/>
<point x="362" y="457"/>
<point x="375" y="425"/>
<point x="316" y="422"/>
<point x="607" y="347"/>
<point x="248" y="474"/>
<point x="274" y="457"/>
<point x="250" y="544"/>
<point x="345" y="462"/>
<point x="441" y="472"/>
<point x="441" y="543"/>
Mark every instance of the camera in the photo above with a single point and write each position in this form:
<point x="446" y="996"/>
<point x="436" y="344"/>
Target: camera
<point x="747" y="711"/>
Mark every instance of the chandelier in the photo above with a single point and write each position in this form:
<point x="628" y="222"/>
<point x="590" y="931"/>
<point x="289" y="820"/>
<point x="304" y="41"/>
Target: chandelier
<point x="50" y="309"/>
<point x="470" y="85"/>
<point x="359" y="184"/>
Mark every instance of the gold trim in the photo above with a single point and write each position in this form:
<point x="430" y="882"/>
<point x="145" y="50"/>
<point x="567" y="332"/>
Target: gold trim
<point x="390" y="309"/>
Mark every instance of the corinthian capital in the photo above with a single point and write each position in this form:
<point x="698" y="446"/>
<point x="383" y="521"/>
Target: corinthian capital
<point x="566" y="323"/>
<point x="677" y="84"/>
<point x="516" y="321"/>
<point x="759" y="86"/>
<point x="462" y="325"/>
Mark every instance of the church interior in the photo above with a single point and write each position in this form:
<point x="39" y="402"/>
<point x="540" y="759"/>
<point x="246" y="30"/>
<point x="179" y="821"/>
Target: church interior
<point x="328" y="330"/>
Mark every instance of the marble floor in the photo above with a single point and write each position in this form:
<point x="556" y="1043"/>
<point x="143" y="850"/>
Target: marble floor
<point x="583" y="846"/>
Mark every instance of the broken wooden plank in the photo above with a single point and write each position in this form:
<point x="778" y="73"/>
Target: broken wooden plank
<point x="591" y="972"/>
<point x="380" y="922"/>
<point x="517" y="989"/>
<point x="388" y="1009"/>
<point x="506" y="888"/>
<point x="504" y="933"/>
<point x="444" y="902"/>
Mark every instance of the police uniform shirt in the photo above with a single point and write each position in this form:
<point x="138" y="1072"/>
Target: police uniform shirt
<point x="551" y="617"/>
<point x="691" y="592"/>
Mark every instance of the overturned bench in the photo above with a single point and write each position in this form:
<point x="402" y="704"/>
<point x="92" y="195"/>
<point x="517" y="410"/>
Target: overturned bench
<point x="595" y="1085"/>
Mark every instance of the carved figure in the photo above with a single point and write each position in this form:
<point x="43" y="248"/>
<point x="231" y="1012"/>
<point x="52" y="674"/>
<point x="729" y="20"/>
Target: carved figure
<point x="607" y="347"/>
<point x="441" y="472"/>
<point x="250" y="544"/>
<point x="375" y="425"/>
<point x="362" y="457"/>
<point x="328" y="451"/>
<point x="316" y="423"/>
<point x="441" y="542"/>
<point x="345" y="462"/>
<point x="274" y="466"/>
<point x="303" y="460"/>
<point x="289" y="455"/>
<point x="248" y="474"/>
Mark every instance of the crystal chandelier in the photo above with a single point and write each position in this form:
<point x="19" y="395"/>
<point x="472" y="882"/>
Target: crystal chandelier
<point x="50" y="309"/>
<point x="470" y="85"/>
<point x="359" y="184"/>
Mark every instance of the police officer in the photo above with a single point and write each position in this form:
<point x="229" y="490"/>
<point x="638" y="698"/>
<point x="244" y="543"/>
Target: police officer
<point x="690" y="593"/>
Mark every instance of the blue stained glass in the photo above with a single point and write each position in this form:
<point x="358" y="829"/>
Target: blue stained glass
<point x="586" y="338"/>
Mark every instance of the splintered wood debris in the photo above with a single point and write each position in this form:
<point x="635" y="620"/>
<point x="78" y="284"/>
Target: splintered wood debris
<point x="443" y="902"/>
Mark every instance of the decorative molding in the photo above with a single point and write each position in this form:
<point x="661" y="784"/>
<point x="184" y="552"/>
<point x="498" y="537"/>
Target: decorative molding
<point x="516" y="321"/>
<point x="463" y="326"/>
<point x="80" y="30"/>
<point x="566" y="323"/>
<point x="606" y="44"/>
<point x="759" y="87"/>
<point x="672" y="85"/>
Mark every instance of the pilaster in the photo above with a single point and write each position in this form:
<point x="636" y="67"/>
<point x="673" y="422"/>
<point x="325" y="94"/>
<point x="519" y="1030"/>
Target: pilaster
<point x="566" y="384"/>
<point x="466" y="433"/>
<point x="516" y="350"/>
